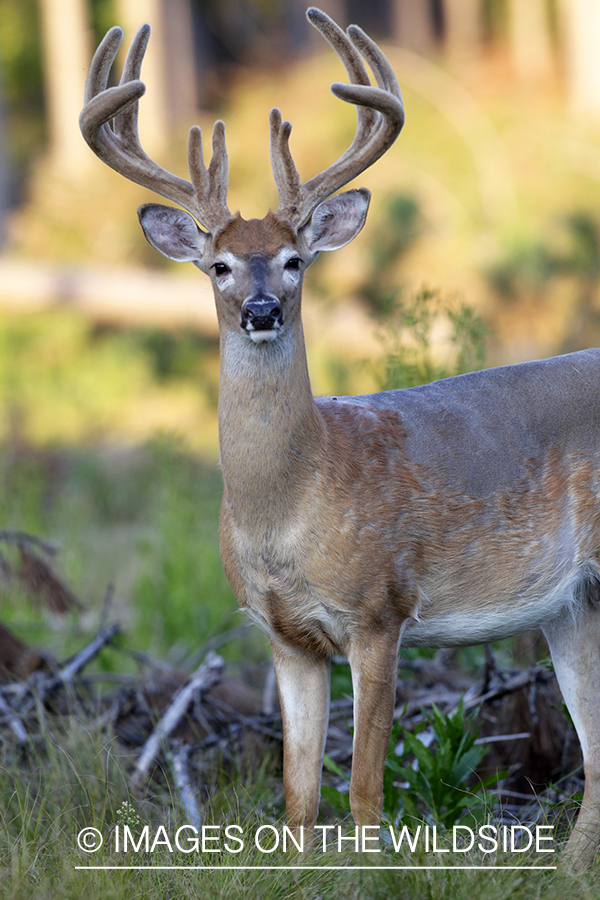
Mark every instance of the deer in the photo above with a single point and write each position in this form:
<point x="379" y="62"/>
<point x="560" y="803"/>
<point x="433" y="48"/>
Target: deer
<point x="448" y="514"/>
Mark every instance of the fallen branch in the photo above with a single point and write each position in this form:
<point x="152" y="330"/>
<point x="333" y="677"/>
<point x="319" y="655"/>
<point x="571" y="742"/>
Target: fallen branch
<point x="21" y="539"/>
<point x="529" y="676"/>
<point x="178" y="759"/>
<point x="13" y="720"/>
<point x="41" y="684"/>
<point x="81" y="659"/>
<point x="501" y="738"/>
<point x="204" y="677"/>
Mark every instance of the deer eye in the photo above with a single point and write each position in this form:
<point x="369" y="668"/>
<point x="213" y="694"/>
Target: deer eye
<point x="293" y="263"/>
<point x="220" y="268"/>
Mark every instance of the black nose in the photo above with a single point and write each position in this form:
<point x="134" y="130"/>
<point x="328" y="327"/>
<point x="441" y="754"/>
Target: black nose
<point x="262" y="314"/>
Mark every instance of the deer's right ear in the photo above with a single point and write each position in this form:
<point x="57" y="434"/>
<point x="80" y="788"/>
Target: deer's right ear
<point x="172" y="232"/>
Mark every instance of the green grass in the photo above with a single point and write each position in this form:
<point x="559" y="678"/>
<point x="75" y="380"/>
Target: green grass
<point x="66" y="381"/>
<point x="77" y="779"/>
<point x="145" y="521"/>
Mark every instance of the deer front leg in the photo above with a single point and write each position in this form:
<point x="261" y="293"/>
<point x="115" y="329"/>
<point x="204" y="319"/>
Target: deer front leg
<point x="373" y="662"/>
<point x="575" y="649"/>
<point x="303" y="682"/>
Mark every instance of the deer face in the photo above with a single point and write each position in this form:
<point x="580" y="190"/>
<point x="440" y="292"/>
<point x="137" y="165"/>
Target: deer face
<point x="256" y="266"/>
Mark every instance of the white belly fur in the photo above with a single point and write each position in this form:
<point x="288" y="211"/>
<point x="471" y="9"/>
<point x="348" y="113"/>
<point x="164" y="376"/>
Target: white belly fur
<point x="463" y="628"/>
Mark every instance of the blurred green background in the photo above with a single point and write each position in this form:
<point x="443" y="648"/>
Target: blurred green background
<point x="485" y="215"/>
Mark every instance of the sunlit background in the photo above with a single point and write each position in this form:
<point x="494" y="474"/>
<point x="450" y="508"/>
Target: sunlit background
<point x="482" y="247"/>
<point x="489" y="197"/>
<point x="485" y="217"/>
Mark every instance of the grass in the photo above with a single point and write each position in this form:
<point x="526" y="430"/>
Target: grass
<point x="80" y="782"/>
<point x="66" y="381"/>
<point x="77" y="779"/>
<point x="155" y="513"/>
<point x="145" y="521"/>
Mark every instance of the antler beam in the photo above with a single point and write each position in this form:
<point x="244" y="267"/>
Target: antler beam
<point x="380" y="114"/>
<point x="119" y="147"/>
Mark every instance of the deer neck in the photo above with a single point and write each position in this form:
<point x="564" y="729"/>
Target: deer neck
<point x="270" y="429"/>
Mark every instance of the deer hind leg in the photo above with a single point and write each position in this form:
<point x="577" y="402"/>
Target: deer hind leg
<point x="575" y="649"/>
<point x="303" y="682"/>
<point x="373" y="662"/>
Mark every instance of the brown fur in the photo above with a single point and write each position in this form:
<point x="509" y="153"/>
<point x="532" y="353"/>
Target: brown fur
<point x="246" y="237"/>
<point x="338" y="534"/>
<point x="452" y="513"/>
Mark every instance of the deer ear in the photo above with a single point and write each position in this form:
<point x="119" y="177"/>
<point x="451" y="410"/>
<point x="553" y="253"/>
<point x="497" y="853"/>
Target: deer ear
<point x="337" y="221"/>
<point x="172" y="232"/>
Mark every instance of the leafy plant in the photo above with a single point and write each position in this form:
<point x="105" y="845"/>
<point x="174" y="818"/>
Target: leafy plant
<point x="401" y="227"/>
<point x="180" y="561"/>
<point x="417" y="355"/>
<point x="563" y="263"/>
<point x="429" y="781"/>
<point x="436" y="786"/>
<point x="338" y="799"/>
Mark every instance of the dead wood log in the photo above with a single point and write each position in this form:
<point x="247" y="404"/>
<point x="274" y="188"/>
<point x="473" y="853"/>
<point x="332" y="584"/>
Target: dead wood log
<point x="204" y="677"/>
<point x="178" y="757"/>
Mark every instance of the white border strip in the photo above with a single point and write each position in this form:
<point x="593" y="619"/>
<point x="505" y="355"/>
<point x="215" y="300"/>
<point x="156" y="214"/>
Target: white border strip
<point x="312" y="868"/>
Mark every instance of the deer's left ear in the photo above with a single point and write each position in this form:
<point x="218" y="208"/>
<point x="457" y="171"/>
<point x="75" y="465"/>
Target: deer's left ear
<point x="337" y="221"/>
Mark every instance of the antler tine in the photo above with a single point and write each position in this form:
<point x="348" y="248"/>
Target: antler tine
<point x="102" y="103"/>
<point x="97" y="79"/>
<point x="126" y="124"/>
<point x="337" y="38"/>
<point x="385" y="75"/>
<point x="218" y="169"/>
<point x="120" y="148"/>
<point x="196" y="166"/>
<point x="284" y="170"/>
<point x="210" y="185"/>
<point x="380" y="117"/>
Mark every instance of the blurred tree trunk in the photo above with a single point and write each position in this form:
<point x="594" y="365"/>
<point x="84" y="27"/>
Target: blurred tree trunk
<point x="181" y="77"/>
<point x="530" y="44"/>
<point x="4" y="173"/>
<point x="376" y="17"/>
<point x="66" y="56"/>
<point x="581" y="27"/>
<point x="169" y="68"/>
<point x="296" y="23"/>
<point x="413" y="25"/>
<point x="154" y="118"/>
<point x="463" y="27"/>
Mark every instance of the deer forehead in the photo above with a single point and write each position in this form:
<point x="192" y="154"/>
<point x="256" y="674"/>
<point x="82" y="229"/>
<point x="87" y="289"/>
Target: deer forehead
<point x="252" y="237"/>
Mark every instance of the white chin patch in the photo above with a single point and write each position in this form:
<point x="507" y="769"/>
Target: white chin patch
<point x="261" y="337"/>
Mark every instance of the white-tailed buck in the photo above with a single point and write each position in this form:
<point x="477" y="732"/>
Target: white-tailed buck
<point x="459" y="512"/>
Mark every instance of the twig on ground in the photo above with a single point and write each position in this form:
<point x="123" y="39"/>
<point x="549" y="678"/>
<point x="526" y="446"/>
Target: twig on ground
<point x="204" y="677"/>
<point x="40" y="684"/>
<point x="178" y="758"/>
<point x="85" y="656"/>
<point x="497" y="738"/>
<point x="106" y="605"/>
<point x="13" y="720"/>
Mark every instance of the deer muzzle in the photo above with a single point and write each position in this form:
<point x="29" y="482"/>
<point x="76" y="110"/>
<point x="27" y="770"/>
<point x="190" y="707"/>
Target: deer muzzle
<point x="261" y="314"/>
